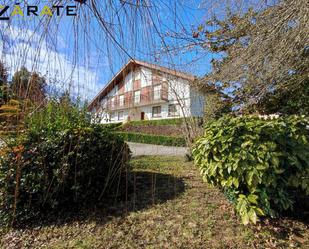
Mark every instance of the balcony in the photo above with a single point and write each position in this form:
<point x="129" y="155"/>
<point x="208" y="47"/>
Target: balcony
<point x="128" y="101"/>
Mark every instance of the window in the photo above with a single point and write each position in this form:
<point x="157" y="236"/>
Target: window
<point x="120" y="115"/>
<point x="115" y="90"/>
<point x="113" y="102"/>
<point x="121" y="100"/>
<point x="146" y="76"/>
<point x="113" y="116"/>
<point x="104" y="103"/>
<point x="128" y="83"/>
<point x="172" y="110"/>
<point x="157" y="92"/>
<point x="137" y="75"/>
<point x="156" y="111"/>
<point x="137" y="96"/>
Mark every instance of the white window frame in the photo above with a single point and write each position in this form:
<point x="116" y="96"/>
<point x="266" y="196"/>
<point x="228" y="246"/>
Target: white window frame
<point x="128" y="82"/>
<point x="137" y="75"/>
<point x="157" y="115"/>
<point x="104" y="103"/>
<point x="115" y="90"/>
<point x="157" y="92"/>
<point x="137" y="96"/>
<point x="121" y="100"/>
<point x="113" y="116"/>
<point x="113" y="102"/>
<point x="173" y="114"/>
<point x="146" y="77"/>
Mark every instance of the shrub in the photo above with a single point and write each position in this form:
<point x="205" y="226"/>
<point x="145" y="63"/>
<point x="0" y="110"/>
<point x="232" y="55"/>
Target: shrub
<point x="152" y="139"/>
<point x="75" y="166"/>
<point x="58" y="116"/>
<point x="262" y="165"/>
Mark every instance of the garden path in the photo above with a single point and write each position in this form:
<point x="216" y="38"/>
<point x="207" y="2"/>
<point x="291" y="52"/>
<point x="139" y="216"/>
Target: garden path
<point x="139" y="149"/>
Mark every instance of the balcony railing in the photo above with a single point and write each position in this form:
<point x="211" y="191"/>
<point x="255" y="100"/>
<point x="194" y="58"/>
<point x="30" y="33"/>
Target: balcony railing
<point x="129" y="100"/>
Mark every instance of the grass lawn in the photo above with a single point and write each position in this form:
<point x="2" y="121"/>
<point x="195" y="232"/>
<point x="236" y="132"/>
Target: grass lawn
<point x="168" y="207"/>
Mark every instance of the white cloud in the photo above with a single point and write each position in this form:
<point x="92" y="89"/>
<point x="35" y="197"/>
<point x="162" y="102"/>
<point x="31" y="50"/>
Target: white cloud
<point x="23" y="47"/>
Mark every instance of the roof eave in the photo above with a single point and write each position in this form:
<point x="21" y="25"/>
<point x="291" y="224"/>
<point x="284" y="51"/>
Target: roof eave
<point x="145" y="64"/>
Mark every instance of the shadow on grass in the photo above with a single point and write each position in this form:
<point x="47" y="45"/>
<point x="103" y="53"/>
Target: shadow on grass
<point x="143" y="190"/>
<point x="291" y="226"/>
<point x="300" y="210"/>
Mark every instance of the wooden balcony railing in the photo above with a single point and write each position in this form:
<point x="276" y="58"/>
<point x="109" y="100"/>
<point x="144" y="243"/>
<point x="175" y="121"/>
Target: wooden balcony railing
<point x="129" y="100"/>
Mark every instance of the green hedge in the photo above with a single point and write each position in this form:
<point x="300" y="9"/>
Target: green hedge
<point x="262" y="165"/>
<point x="112" y="126"/>
<point x="77" y="166"/>
<point x="152" y="139"/>
<point x="173" y="121"/>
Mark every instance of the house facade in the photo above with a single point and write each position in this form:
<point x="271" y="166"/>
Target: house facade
<point x="144" y="91"/>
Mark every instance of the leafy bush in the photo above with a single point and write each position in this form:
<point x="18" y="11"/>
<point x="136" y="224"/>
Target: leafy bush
<point x="152" y="139"/>
<point x="58" y="116"/>
<point x="262" y="165"/>
<point x="49" y="167"/>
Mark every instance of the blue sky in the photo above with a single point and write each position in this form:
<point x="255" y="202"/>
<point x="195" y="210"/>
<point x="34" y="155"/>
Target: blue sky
<point x="81" y="55"/>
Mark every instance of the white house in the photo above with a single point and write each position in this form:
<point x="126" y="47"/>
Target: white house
<point x="144" y="91"/>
